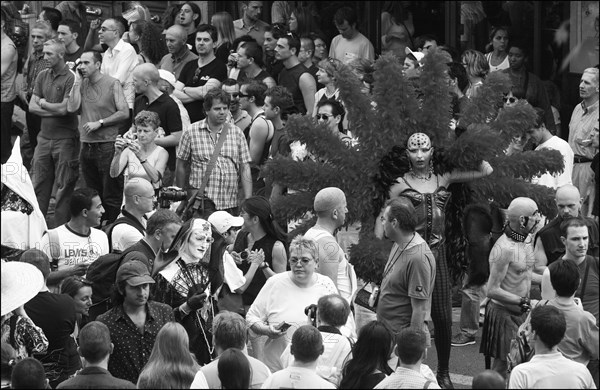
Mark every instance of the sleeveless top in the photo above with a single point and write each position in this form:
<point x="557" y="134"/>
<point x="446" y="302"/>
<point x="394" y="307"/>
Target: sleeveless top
<point x="503" y="65"/>
<point x="290" y="78"/>
<point x="267" y="147"/>
<point x="8" y="91"/>
<point x="259" y="77"/>
<point x="431" y="213"/>
<point x="134" y="167"/>
<point x="266" y="244"/>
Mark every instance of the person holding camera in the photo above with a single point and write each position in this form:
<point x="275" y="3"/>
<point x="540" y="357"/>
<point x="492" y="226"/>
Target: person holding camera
<point x="141" y="156"/>
<point x="101" y="101"/>
<point x="328" y="315"/>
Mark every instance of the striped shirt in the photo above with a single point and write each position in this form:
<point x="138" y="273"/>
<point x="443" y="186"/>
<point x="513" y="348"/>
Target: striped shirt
<point x="197" y="144"/>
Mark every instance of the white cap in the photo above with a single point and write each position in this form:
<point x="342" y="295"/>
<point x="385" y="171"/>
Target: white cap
<point x="417" y="54"/>
<point x="223" y="221"/>
<point x="167" y="76"/>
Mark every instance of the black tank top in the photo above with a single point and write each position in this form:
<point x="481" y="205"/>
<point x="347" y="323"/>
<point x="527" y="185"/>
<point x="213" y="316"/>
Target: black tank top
<point x="290" y="78"/>
<point x="267" y="148"/>
<point x="266" y="244"/>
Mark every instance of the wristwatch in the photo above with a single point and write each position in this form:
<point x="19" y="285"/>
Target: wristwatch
<point x="101" y="121"/>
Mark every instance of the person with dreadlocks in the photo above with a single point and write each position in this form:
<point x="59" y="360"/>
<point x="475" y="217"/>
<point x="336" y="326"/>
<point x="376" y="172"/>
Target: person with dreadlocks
<point x="189" y="277"/>
<point x="428" y="192"/>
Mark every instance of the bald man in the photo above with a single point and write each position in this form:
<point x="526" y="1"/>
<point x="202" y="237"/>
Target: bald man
<point x="145" y="80"/>
<point x="179" y="53"/>
<point x="56" y="157"/>
<point x="511" y="272"/>
<point x="548" y="245"/>
<point x="130" y="227"/>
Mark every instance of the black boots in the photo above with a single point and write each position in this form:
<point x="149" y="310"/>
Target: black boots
<point x="443" y="378"/>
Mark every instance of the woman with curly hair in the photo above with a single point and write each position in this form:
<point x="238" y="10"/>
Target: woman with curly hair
<point x="223" y="22"/>
<point x="150" y="41"/>
<point x="477" y="68"/>
<point x="171" y="364"/>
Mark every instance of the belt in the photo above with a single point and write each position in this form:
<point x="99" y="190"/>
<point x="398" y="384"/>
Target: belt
<point x="578" y="159"/>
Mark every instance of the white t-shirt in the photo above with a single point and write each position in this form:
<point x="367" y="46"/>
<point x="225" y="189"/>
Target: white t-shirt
<point x="124" y="235"/>
<point x="210" y="373"/>
<point x="347" y="50"/>
<point x="559" y="179"/>
<point x="75" y="248"/>
<point x="280" y="300"/>
<point x="549" y="371"/>
<point x="331" y="362"/>
<point x="297" y="378"/>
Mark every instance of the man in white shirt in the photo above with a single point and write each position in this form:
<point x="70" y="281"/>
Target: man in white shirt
<point x="139" y="197"/>
<point x="548" y="368"/>
<point x="545" y="140"/>
<point x="331" y="314"/>
<point x="120" y="58"/>
<point x="350" y="44"/>
<point x="72" y="247"/>
<point x="331" y="208"/>
<point x="307" y="346"/>
<point x="229" y="331"/>
<point x="411" y="350"/>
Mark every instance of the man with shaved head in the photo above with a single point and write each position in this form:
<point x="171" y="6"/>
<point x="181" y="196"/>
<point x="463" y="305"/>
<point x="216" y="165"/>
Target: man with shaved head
<point x="101" y="101"/>
<point x="120" y="58"/>
<point x="56" y="157"/>
<point x="179" y="53"/>
<point x="548" y="245"/>
<point x="511" y="272"/>
<point x="145" y="81"/>
<point x="131" y="224"/>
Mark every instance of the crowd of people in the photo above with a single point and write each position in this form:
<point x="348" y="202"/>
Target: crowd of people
<point x="140" y="248"/>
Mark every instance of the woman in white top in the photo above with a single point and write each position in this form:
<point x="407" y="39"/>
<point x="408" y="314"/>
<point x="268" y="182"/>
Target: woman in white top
<point x="325" y="76"/>
<point x="477" y="68"/>
<point x="141" y="156"/>
<point x="497" y="57"/>
<point x="281" y="302"/>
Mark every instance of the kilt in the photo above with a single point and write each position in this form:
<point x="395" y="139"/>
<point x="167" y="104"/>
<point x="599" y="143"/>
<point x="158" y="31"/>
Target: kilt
<point x="499" y="328"/>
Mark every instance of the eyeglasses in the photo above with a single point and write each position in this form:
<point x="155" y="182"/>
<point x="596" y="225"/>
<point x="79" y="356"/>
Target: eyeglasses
<point x="104" y="29"/>
<point x="153" y="197"/>
<point x="510" y="100"/>
<point x="324" y="117"/>
<point x="303" y="262"/>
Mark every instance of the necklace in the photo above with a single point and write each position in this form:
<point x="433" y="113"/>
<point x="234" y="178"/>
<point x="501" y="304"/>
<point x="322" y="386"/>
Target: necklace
<point x="419" y="177"/>
<point x="208" y="345"/>
<point x="389" y="269"/>
<point x="516" y="235"/>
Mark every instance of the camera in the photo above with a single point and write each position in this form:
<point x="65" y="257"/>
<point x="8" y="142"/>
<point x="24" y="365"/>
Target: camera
<point x="244" y="254"/>
<point x="166" y="195"/>
<point x="232" y="63"/>
<point x="311" y="312"/>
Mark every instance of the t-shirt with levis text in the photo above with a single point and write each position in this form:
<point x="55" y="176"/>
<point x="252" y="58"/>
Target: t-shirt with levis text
<point x="213" y="70"/>
<point x="74" y="248"/>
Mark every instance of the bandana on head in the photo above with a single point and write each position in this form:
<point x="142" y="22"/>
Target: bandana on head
<point x="418" y="140"/>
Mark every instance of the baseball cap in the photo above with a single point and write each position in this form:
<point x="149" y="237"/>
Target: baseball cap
<point x="223" y="221"/>
<point x="417" y="54"/>
<point x="135" y="273"/>
<point x="328" y="199"/>
<point x="167" y="76"/>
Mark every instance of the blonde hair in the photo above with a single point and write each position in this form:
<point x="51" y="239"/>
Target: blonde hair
<point x="301" y="242"/>
<point x="171" y="364"/>
<point x="223" y="22"/>
<point x="477" y="64"/>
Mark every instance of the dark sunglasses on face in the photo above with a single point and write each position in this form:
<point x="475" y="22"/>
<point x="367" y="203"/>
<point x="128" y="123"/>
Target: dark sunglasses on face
<point x="324" y="117"/>
<point x="510" y="100"/>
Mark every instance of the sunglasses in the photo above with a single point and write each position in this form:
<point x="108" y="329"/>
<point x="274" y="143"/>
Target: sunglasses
<point x="303" y="262"/>
<point x="510" y="100"/>
<point x="243" y="95"/>
<point x="234" y="95"/>
<point x="324" y="117"/>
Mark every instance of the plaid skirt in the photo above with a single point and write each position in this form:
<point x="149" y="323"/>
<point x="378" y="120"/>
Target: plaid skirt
<point x="499" y="328"/>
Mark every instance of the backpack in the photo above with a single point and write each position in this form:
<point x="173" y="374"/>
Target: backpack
<point x="108" y="229"/>
<point x="103" y="274"/>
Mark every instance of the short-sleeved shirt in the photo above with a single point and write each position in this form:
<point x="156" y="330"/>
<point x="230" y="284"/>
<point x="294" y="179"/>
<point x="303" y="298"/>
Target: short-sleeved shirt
<point x="297" y="378"/>
<point x="169" y="115"/>
<point x="131" y="347"/>
<point x="197" y="144"/>
<point x="260" y="373"/>
<point x="213" y="70"/>
<point x="347" y="50"/>
<point x="408" y="274"/>
<point x="55" y="87"/>
<point x="99" y="101"/>
<point x="175" y="63"/>
<point x="581" y="125"/>
<point x="256" y="31"/>
<point x="8" y="90"/>
<point x="71" y="58"/>
<point x="405" y="378"/>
